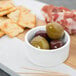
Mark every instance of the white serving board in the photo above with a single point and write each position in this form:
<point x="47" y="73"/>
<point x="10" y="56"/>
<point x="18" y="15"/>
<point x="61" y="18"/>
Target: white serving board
<point x="13" y="55"/>
<point x="13" y="51"/>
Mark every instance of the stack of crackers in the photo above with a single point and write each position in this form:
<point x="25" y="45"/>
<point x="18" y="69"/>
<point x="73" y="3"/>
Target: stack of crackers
<point x="14" y="19"/>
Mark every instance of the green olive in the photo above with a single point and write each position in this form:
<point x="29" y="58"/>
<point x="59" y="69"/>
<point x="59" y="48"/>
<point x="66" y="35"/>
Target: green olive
<point x="54" y="30"/>
<point x="40" y="42"/>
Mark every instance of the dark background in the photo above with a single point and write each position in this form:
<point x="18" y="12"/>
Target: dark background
<point x="2" y="73"/>
<point x="71" y="4"/>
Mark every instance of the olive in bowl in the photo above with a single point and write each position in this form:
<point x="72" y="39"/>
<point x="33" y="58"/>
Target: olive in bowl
<point x="40" y="42"/>
<point x="46" y="57"/>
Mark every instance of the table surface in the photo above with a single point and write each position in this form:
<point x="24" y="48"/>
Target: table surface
<point x="71" y="61"/>
<point x="71" y="4"/>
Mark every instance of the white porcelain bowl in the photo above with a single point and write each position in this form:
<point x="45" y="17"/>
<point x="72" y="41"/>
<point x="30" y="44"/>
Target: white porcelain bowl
<point x="46" y="57"/>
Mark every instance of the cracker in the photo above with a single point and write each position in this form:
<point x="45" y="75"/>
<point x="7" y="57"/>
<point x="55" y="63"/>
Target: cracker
<point x="1" y="33"/>
<point x="27" y="20"/>
<point x="23" y="9"/>
<point x="11" y="28"/>
<point x="1" y="20"/>
<point x="14" y="16"/>
<point x="5" y="5"/>
<point x="2" y="13"/>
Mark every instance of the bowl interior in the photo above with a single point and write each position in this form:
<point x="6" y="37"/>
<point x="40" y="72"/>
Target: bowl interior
<point x="30" y="34"/>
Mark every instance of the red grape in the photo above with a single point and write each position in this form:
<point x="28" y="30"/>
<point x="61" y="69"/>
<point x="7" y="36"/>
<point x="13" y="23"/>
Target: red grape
<point x="43" y="34"/>
<point x="54" y="44"/>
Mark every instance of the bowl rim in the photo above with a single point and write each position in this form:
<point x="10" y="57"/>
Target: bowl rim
<point x="52" y="50"/>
